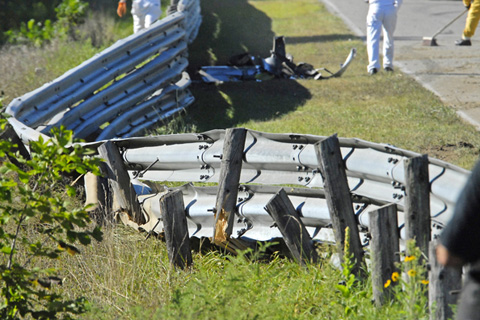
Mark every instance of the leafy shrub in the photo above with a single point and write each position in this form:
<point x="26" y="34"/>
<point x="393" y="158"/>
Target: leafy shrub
<point x="68" y="14"/>
<point x="38" y="223"/>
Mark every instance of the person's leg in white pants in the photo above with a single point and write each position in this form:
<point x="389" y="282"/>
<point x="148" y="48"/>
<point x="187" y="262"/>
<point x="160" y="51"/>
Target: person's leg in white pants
<point x="374" y="29"/>
<point x="152" y="15"/>
<point x="389" y="23"/>
<point x="138" y="22"/>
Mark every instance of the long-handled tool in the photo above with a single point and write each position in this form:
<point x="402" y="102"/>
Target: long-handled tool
<point x="430" y="41"/>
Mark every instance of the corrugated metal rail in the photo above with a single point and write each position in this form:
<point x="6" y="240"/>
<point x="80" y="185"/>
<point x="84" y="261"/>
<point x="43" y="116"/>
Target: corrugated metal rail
<point x="123" y="90"/>
<point x="375" y="175"/>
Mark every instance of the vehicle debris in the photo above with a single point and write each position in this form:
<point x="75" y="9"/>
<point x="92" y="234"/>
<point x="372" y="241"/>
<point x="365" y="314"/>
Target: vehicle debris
<point x="245" y="67"/>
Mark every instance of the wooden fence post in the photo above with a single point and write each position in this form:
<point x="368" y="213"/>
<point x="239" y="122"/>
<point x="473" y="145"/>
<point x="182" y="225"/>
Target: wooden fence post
<point x="417" y="202"/>
<point x="339" y="201"/>
<point x="99" y="194"/>
<point x="119" y="182"/>
<point x="294" y="233"/>
<point x="442" y="282"/>
<point x="10" y="134"/>
<point x="384" y="250"/>
<point x="230" y="170"/>
<point x="175" y="225"/>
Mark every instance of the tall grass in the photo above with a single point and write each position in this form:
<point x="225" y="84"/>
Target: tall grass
<point x="129" y="277"/>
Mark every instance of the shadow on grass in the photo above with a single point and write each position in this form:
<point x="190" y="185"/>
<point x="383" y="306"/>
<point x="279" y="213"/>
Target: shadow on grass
<point x="231" y="27"/>
<point x="234" y="103"/>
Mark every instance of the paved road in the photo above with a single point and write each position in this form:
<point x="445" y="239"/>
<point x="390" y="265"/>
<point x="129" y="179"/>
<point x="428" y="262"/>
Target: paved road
<point x="451" y="72"/>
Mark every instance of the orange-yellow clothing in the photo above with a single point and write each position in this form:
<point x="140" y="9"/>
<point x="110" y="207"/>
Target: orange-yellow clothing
<point x="472" y="18"/>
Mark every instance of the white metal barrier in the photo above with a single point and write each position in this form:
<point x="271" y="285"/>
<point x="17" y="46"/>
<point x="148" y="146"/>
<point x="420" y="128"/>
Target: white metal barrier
<point x="124" y="89"/>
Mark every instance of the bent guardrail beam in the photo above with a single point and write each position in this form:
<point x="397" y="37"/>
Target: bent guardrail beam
<point x="140" y="79"/>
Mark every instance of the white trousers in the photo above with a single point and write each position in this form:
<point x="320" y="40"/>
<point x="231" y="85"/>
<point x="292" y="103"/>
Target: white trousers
<point x="145" y="13"/>
<point x="380" y="17"/>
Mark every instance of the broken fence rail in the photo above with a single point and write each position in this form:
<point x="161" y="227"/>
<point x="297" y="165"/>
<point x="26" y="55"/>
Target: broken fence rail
<point x="123" y="90"/>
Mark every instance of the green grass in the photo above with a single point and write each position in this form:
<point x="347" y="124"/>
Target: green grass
<point x="129" y="277"/>
<point x="387" y="108"/>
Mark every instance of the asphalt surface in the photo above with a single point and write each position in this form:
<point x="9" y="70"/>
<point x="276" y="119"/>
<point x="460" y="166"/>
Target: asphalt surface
<point x="449" y="71"/>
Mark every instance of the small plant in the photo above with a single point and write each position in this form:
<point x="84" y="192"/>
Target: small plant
<point x="349" y="286"/>
<point x="38" y="223"/>
<point x="411" y="289"/>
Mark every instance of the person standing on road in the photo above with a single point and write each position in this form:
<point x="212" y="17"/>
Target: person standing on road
<point x="382" y="14"/>
<point x="144" y="12"/>
<point x="471" y="23"/>
<point x="460" y="244"/>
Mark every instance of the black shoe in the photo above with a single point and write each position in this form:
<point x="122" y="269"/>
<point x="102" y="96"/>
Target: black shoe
<point x="373" y="71"/>
<point x="388" y="69"/>
<point x="463" y="42"/>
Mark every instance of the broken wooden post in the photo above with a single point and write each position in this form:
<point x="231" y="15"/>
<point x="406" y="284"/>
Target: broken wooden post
<point x="293" y="230"/>
<point x="384" y="250"/>
<point x="10" y="134"/>
<point x="417" y="202"/>
<point x="98" y="195"/>
<point x="339" y="201"/>
<point x="125" y="198"/>
<point x="175" y="226"/>
<point x="228" y="183"/>
<point x="444" y="285"/>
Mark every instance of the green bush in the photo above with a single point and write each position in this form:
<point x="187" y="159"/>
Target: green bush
<point x="68" y="13"/>
<point x="39" y="223"/>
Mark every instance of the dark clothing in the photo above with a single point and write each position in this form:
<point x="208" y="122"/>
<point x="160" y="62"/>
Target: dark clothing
<point x="462" y="234"/>
<point x="469" y="306"/>
<point x="462" y="238"/>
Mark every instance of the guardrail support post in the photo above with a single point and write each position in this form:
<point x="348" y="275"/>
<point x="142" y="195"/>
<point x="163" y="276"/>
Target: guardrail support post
<point x="295" y="234"/>
<point x="119" y="182"/>
<point x="172" y="209"/>
<point x="384" y="250"/>
<point x="10" y="134"/>
<point x="339" y="201"/>
<point x="417" y="202"/>
<point x="444" y="287"/>
<point x="230" y="171"/>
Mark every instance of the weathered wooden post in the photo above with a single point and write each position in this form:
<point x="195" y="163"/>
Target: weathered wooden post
<point x="230" y="170"/>
<point x="442" y="282"/>
<point x="293" y="230"/>
<point x="417" y="202"/>
<point x="98" y="194"/>
<point x="9" y="134"/>
<point x="337" y="194"/>
<point x="384" y="250"/>
<point x="125" y="198"/>
<point x="175" y="226"/>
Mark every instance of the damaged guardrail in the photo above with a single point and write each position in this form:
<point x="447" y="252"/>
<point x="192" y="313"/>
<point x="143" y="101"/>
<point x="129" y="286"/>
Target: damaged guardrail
<point x="375" y="175"/>
<point x="123" y="90"/>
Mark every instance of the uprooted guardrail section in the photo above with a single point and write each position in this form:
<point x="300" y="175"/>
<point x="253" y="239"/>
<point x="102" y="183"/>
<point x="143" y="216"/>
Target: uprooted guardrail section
<point x="123" y="90"/>
<point x="375" y="175"/>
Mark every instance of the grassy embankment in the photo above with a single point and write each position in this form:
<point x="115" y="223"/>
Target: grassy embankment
<point x="128" y="277"/>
